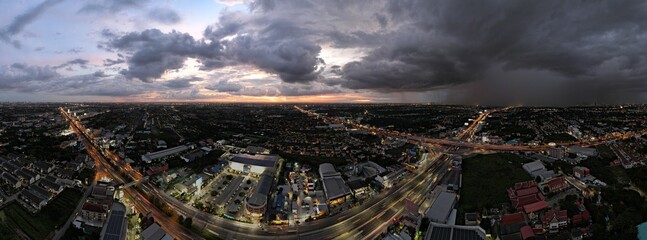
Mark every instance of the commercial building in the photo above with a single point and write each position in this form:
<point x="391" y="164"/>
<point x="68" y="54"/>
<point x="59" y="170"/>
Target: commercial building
<point x="155" y="232"/>
<point x="256" y="164"/>
<point x="582" y="151"/>
<point x="116" y="227"/>
<point x="334" y="186"/>
<point x="159" y="155"/>
<point x="256" y="204"/>
<point x="441" y="208"/>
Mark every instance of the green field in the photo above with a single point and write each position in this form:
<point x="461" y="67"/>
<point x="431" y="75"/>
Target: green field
<point x="40" y="226"/>
<point x="486" y="178"/>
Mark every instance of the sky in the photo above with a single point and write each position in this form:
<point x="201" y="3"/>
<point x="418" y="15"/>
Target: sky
<point x="439" y="51"/>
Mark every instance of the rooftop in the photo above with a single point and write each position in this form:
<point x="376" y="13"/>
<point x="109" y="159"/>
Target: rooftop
<point x="256" y="160"/>
<point x="115" y="228"/>
<point x="442" y="207"/>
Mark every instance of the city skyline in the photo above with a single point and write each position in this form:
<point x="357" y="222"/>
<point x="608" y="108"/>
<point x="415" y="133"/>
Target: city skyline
<point x="471" y="52"/>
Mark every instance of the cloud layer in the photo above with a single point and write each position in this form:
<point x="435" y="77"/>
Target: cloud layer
<point x="541" y="52"/>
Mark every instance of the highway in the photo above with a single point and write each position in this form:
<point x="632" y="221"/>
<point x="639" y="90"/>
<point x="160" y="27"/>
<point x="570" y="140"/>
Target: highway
<point x="366" y="221"/>
<point x="379" y="209"/>
<point x="141" y="203"/>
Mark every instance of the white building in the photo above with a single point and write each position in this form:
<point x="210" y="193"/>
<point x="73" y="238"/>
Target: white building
<point x="256" y="164"/>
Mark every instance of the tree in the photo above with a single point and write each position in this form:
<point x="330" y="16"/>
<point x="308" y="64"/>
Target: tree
<point x="180" y="219"/>
<point x="188" y="222"/>
<point x="214" y="193"/>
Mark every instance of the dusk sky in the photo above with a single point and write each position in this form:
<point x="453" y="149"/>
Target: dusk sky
<point x="483" y="52"/>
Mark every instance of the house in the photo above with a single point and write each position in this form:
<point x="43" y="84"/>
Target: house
<point x="554" y="220"/>
<point x="43" y="167"/>
<point x="41" y="192"/>
<point x="11" y="180"/>
<point x="94" y="213"/>
<point x="27" y="177"/>
<point x="583" y="216"/>
<point x="51" y="186"/>
<point x="32" y="199"/>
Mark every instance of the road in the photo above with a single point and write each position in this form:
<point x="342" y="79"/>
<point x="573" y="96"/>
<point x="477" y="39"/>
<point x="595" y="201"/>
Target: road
<point x="141" y="203"/>
<point x="366" y="221"/>
<point x="380" y="209"/>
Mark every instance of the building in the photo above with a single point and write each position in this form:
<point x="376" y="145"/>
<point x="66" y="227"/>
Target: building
<point x="581" y="172"/>
<point x="555" y="185"/>
<point x="511" y="224"/>
<point x="472" y="219"/>
<point x="192" y="156"/>
<point x="43" y="167"/>
<point x="163" y="154"/>
<point x="582" y="151"/>
<point x="537" y="169"/>
<point x="525" y="193"/>
<point x="191" y="184"/>
<point x="51" y="186"/>
<point x="27" y="177"/>
<point x="103" y="190"/>
<point x="334" y="186"/>
<point x="642" y="231"/>
<point x="32" y="199"/>
<point x="437" y="231"/>
<point x="11" y="180"/>
<point x="155" y="232"/>
<point x="256" y="164"/>
<point x="257" y="150"/>
<point x="94" y="214"/>
<point x="116" y="227"/>
<point x="441" y="208"/>
<point x="358" y="187"/>
<point x="256" y="204"/>
<point x="554" y="220"/>
<point x="574" y="131"/>
<point x="556" y="152"/>
<point x="41" y="192"/>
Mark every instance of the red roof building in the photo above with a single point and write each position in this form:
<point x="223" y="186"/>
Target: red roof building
<point x="555" y="220"/>
<point x="556" y="185"/>
<point x="527" y="233"/>
<point x="524" y="193"/>
<point x="535" y="207"/>
<point x="512" y="218"/>
<point x="581" y="217"/>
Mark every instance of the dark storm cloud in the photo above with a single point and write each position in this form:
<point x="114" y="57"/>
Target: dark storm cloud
<point x="439" y="44"/>
<point x="164" y="16"/>
<point x="20" y="76"/>
<point x="21" y="21"/>
<point x="275" y="47"/>
<point x="153" y="53"/>
<point x="225" y="86"/>
<point x="181" y="82"/>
